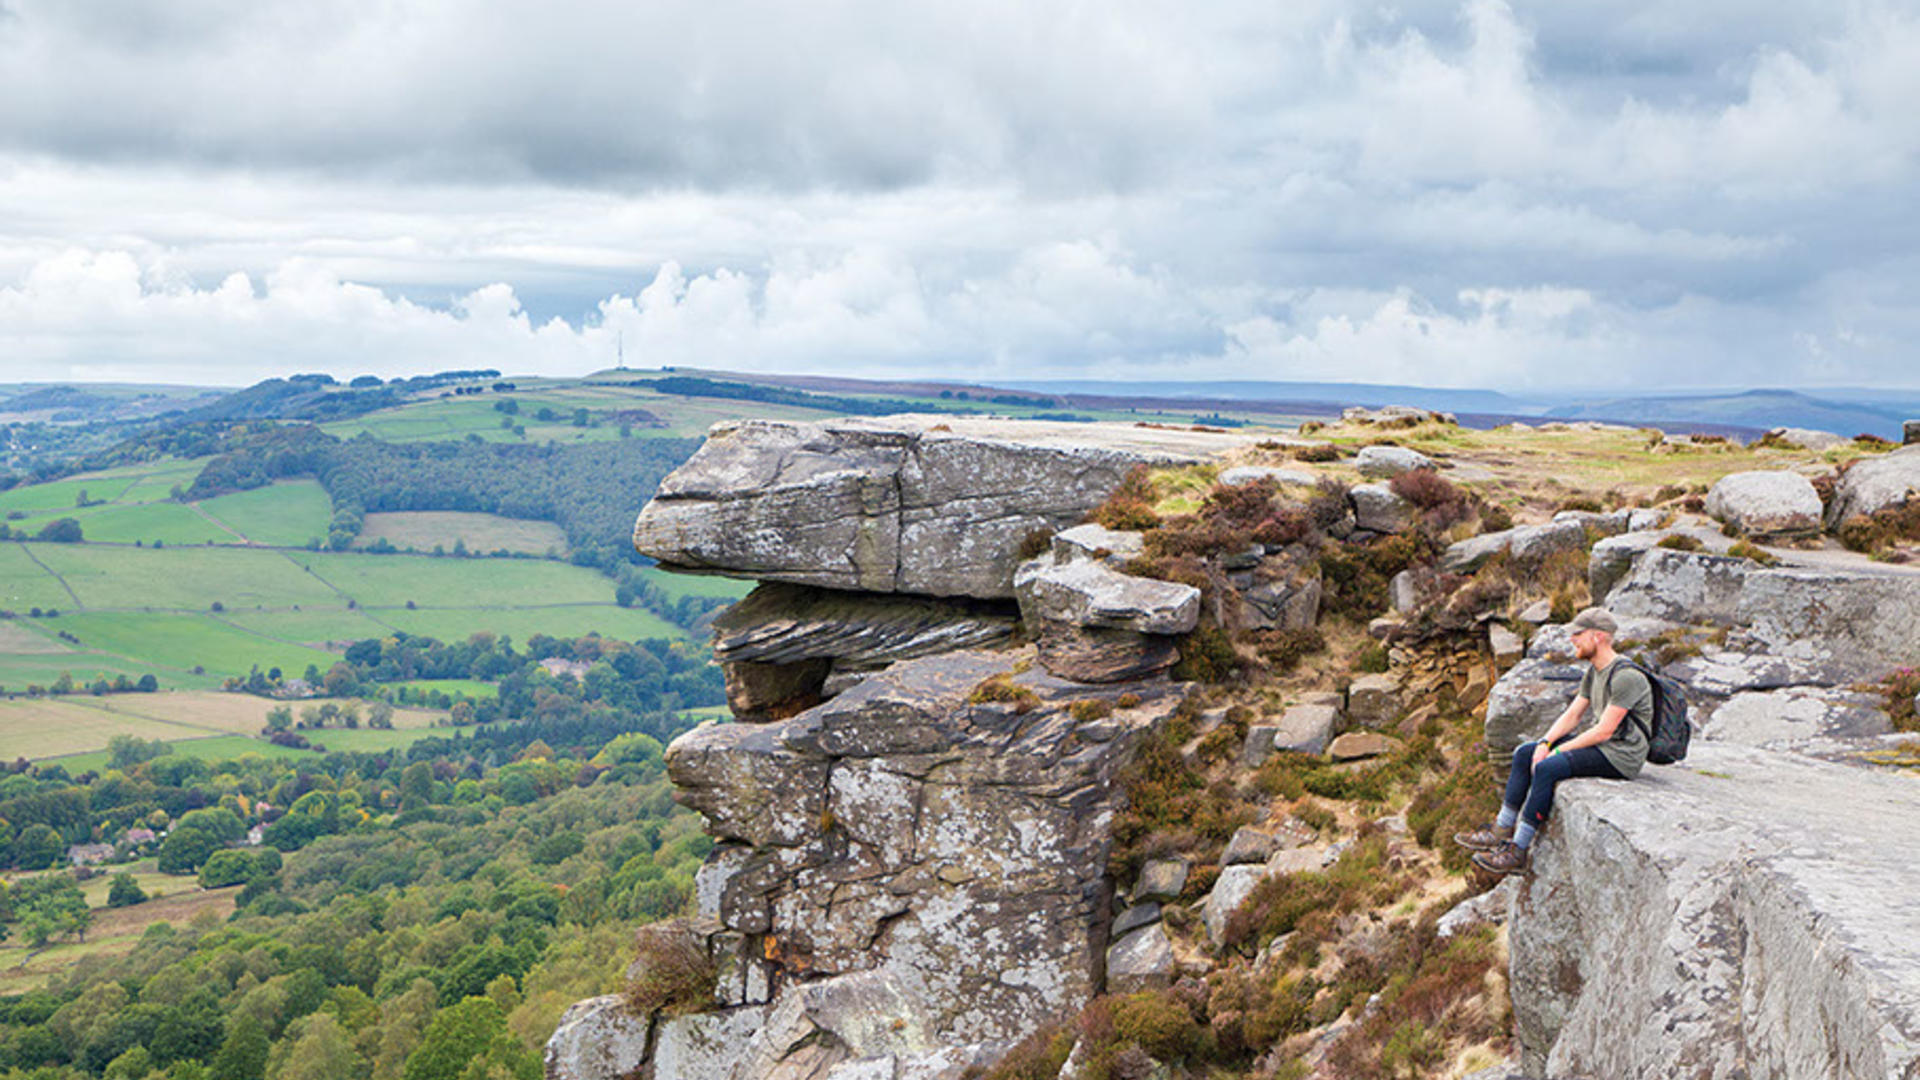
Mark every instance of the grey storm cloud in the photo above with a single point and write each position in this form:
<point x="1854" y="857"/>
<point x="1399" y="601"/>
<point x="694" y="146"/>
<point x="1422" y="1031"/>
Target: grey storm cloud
<point x="1440" y="191"/>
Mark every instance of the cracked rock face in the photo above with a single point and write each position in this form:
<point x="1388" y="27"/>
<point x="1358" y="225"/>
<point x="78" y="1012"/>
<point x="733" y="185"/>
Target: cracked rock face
<point x="934" y="505"/>
<point x="1753" y="912"/>
<point x="961" y="848"/>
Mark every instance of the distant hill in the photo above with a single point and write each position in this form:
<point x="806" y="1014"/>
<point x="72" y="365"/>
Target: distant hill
<point x="1753" y="409"/>
<point x="1373" y="395"/>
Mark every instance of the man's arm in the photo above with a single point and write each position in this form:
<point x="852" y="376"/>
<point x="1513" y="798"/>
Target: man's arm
<point x="1600" y="732"/>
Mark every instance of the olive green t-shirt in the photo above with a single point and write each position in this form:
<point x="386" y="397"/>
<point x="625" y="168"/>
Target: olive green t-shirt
<point x="1627" y="686"/>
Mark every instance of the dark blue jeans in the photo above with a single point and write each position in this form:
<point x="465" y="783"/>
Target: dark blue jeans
<point x="1531" y="789"/>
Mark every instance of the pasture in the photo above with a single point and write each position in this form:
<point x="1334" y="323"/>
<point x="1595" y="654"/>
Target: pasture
<point x="382" y="581"/>
<point x="521" y="623"/>
<point x="285" y="514"/>
<point x="424" y="530"/>
<point x="173" y="579"/>
<point x="145" y="523"/>
<point x="186" y="642"/>
<point x="204" y="724"/>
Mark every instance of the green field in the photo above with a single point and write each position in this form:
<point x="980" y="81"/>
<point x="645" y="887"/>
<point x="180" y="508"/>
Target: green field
<point x="310" y="626"/>
<point x="192" y="579"/>
<point x="424" y="530"/>
<point x="18" y="672"/>
<point x="24" y="585"/>
<point x="187" y="641"/>
<point x="392" y="580"/>
<point x="166" y="522"/>
<point x="286" y="514"/>
<point x="457" y="624"/>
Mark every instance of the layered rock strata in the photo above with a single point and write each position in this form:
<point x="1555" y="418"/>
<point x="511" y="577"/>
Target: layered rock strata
<point x="899" y="828"/>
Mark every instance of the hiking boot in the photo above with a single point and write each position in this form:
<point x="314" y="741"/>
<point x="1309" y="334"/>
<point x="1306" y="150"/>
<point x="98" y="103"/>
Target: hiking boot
<point x="1484" y="838"/>
<point x="1505" y="859"/>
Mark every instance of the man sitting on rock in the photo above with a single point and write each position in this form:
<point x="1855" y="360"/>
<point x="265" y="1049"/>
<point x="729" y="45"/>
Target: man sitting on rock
<point x="1612" y="747"/>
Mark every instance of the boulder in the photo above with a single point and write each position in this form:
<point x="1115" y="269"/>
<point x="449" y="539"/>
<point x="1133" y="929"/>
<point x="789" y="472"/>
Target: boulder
<point x="598" y="1039"/>
<point x="1373" y="701"/>
<point x="1506" y="646"/>
<point x="1161" y="879"/>
<point x="1258" y="746"/>
<point x="1097" y="625"/>
<point x="1806" y="438"/>
<point x="1142" y="960"/>
<point x="1230" y="889"/>
<point x="1610" y="523"/>
<point x="1909" y="432"/>
<point x="1249" y="845"/>
<point x="1534" y="543"/>
<point x="1247" y="474"/>
<point x="1766" y="504"/>
<point x="1396" y="416"/>
<point x="1612" y="557"/>
<point x="1873" y="484"/>
<point x="1093" y="595"/>
<point x="1135" y="917"/>
<point x="898" y="827"/>
<point x="1753" y="911"/>
<point x="1525" y="543"/>
<point x="1387" y="462"/>
<point x="1306" y="728"/>
<point x="703" y="1046"/>
<point x="1089" y="541"/>
<point x="1491" y="906"/>
<point x="1412" y="589"/>
<point x="1284" y="595"/>
<point x="1377" y="509"/>
<point x="937" y="505"/>
<point x="1466" y="556"/>
<point x="1355" y="745"/>
<point x="1524" y="702"/>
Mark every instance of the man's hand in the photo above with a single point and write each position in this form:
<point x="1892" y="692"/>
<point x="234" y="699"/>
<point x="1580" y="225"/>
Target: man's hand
<point x="1540" y="753"/>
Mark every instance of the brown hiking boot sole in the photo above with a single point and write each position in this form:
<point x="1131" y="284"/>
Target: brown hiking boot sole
<point x="1497" y="862"/>
<point x="1485" y="838"/>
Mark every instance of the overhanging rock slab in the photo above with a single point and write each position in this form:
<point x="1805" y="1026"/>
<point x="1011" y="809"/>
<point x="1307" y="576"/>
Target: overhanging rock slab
<point x="936" y="505"/>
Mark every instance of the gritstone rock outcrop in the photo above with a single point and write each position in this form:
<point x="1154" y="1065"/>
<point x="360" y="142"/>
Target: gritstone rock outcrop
<point x="1752" y="910"/>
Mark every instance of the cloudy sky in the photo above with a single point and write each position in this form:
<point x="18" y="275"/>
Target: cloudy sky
<point x="1644" y="194"/>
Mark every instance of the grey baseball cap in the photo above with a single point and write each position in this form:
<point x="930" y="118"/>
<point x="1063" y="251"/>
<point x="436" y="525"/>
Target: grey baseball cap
<point x="1596" y="618"/>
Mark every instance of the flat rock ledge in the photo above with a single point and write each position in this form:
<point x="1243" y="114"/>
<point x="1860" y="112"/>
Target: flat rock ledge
<point x="1746" y="915"/>
<point x="934" y="505"/>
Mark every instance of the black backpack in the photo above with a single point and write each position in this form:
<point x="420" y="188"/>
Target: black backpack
<point x="1671" y="732"/>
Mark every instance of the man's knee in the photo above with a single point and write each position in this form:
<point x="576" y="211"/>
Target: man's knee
<point x="1554" y="768"/>
<point x="1524" y="752"/>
